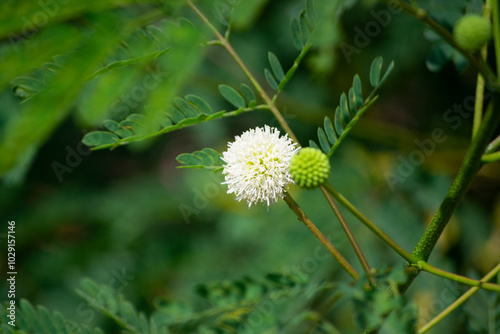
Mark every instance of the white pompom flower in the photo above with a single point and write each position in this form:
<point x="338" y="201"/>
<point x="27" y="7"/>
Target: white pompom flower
<point x="257" y="165"/>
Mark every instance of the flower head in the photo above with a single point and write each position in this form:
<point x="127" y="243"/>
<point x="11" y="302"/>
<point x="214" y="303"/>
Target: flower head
<point x="309" y="168"/>
<point x="257" y="165"/>
<point x="472" y="31"/>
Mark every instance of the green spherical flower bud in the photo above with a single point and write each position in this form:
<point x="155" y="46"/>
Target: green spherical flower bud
<point x="472" y="32"/>
<point x="309" y="168"/>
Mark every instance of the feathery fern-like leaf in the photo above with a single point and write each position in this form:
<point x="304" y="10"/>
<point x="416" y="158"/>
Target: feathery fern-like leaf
<point x="39" y="320"/>
<point x="206" y="158"/>
<point x="350" y="109"/>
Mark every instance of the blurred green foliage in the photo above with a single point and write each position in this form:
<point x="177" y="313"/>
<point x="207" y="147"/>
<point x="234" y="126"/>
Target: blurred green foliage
<point x="171" y="241"/>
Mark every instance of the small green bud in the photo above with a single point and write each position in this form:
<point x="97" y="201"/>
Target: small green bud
<point x="309" y="168"/>
<point x="472" y="32"/>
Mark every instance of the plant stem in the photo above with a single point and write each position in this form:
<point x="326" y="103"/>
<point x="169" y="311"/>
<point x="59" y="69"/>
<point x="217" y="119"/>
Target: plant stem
<point x="492" y="147"/>
<point x="458" y="302"/>
<point x="350" y="236"/>
<point x="478" y="106"/>
<point x="368" y="102"/>
<point x="467" y="172"/>
<point x="323" y="312"/>
<point x="385" y="238"/>
<point x="225" y="43"/>
<point x="457" y="278"/>
<point x="292" y="70"/>
<point x="320" y="236"/>
<point x="478" y="64"/>
<point x="496" y="31"/>
<point x="492" y="157"/>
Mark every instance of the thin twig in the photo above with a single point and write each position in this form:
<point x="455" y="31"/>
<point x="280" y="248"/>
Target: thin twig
<point x="458" y="302"/>
<point x="351" y="237"/>
<point x="225" y="43"/>
<point x="362" y="218"/>
<point x="320" y="236"/>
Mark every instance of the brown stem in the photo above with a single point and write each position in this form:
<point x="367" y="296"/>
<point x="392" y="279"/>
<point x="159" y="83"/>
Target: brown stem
<point x="320" y="236"/>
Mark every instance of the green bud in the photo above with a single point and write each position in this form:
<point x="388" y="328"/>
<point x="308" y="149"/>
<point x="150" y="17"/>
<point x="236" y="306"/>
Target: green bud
<point x="472" y="32"/>
<point x="309" y="168"/>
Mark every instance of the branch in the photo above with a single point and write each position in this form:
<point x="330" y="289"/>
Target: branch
<point x="458" y="302"/>
<point x="320" y="236"/>
<point x="468" y="170"/>
<point x="350" y="236"/>
<point x="225" y="43"/>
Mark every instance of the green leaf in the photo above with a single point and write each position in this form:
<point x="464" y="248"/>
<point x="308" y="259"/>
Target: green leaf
<point x="439" y="54"/>
<point x="270" y="79"/>
<point x="46" y="319"/>
<point x="459" y="61"/>
<point x="175" y="114"/>
<point x="111" y="125"/>
<point x="344" y="108"/>
<point x="60" y="323"/>
<point x="323" y="141"/>
<point x="89" y="286"/>
<point x="124" y="132"/>
<point x="163" y="120"/>
<point x="134" y="127"/>
<point x="248" y="94"/>
<point x="330" y="132"/>
<point x="232" y="96"/>
<point x="296" y="37"/>
<point x="189" y="159"/>
<point x="343" y="132"/>
<point x="276" y="66"/>
<point x="97" y="138"/>
<point x="375" y="70"/>
<point x="387" y="72"/>
<point x="216" y="156"/>
<point x="311" y="12"/>
<point x="352" y="101"/>
<point x="129" y="313"/>
<point x="30" y="315"/>
<point x="304" y="26"/>
<point x="313" y="144"/>
<point x="206" y="158"/>
<point x="358" y="91"/>
<point x="143" y="323"/>
<point x="7" y="329"/>
<point x="138" y="118"/>
<point x="199" y="104"/>
<point x="338" y="123"/>
<point x="185" y="107"/>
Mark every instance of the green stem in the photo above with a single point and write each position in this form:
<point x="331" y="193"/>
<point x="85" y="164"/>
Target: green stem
<point x="378" y="232"/>
<point x="421" y="14"/>
<point x="225" y="43"/>
<point x="351" y="124"/>
<point x="458" y="302"/>
<point x="494" y="145"/>
<point x="492" y="157"/>
<point x="467" y="172"/>
<point x="457" y="278"/>
<point x="350" y="236"/>
<point x="478" y="106"/>
<point x="496" y="31"/>
<point x="320" y="236"/>
<point x="322" y="313"/>
<point x="291" y="71"/>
